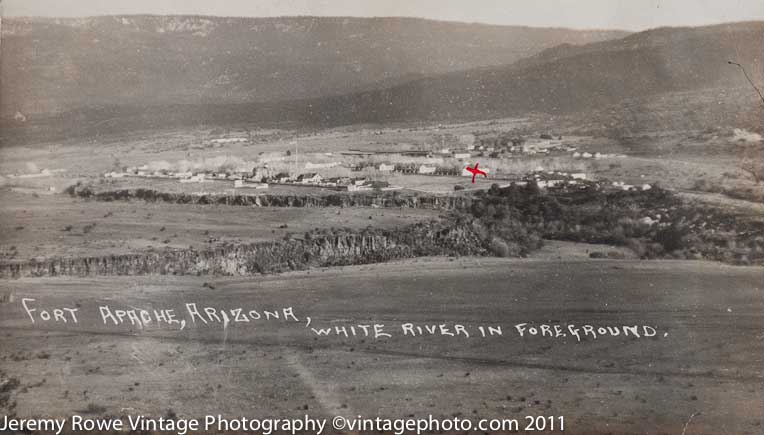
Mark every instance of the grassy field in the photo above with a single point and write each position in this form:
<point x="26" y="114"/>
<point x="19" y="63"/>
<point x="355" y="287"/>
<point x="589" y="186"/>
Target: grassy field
<point x="58" y="225"/>
<point x="705" y="359"/>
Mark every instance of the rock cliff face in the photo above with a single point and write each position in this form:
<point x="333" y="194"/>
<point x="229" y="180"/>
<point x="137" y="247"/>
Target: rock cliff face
<point x="386" y="199"/>
<point x="266" y="257"/>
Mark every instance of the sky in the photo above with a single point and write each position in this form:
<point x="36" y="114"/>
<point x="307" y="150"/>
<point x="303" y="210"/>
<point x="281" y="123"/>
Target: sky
<point x="593" y="14"/>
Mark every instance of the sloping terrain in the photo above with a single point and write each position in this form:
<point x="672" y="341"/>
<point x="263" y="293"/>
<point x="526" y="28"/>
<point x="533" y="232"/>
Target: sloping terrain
<point x="570" y="79"/>
<point x="57" y="65"/>
<point x="623" y="76"/>
<point x="705" y="359"/>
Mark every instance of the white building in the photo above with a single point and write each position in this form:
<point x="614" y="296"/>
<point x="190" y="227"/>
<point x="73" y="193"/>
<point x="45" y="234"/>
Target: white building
<point x="310" y="178"/>
<point x="386" y="168"/>
<point x="183" y="174"/>
<point x="357" y="188"/>
<point x="239" y="184"/>
<point x="424" y="169"/>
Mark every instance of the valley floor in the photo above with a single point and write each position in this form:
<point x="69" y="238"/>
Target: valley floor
<point x="704" y="360"/>
<point x="701" y="373"/>
<point x="60" y="225"/>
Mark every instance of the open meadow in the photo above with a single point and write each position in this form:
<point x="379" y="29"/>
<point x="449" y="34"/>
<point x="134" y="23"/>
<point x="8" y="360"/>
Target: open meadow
<point x="62" y="226"/>
<point x="702" y="361"/>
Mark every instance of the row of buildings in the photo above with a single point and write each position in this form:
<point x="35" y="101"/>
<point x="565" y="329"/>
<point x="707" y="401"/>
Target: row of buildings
<point x="255" y="179"/>
<point x="555" y="179"/>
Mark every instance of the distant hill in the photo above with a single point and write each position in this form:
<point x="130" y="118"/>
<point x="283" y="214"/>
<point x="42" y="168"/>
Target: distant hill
<point x="683" y="71"/>
<point x="567" y="78"/>
<point x="51" y="66"/>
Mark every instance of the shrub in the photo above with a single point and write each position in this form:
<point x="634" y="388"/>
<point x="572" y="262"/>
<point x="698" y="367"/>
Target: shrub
<point x="672" y="237"/>
<point x="499" y="247"/>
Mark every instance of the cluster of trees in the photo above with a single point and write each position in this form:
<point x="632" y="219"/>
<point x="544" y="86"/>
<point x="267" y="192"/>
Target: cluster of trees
<point x="652" y="223"/>
<point x="514" y="221"/>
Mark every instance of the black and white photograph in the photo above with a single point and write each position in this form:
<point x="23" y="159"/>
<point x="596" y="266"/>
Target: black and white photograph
<point x="382" y="216"/>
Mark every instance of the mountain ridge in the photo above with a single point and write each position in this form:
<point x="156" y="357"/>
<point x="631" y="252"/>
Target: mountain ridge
<point x="55" y="65"/>
<point x="626" y="73"/>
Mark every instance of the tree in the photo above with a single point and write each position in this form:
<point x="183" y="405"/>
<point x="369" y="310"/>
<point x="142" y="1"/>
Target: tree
<point x="532" y="188"/>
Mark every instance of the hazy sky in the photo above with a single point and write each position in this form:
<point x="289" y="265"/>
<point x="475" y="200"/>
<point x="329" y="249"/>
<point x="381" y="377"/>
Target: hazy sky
<point x="621" y="14"/>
